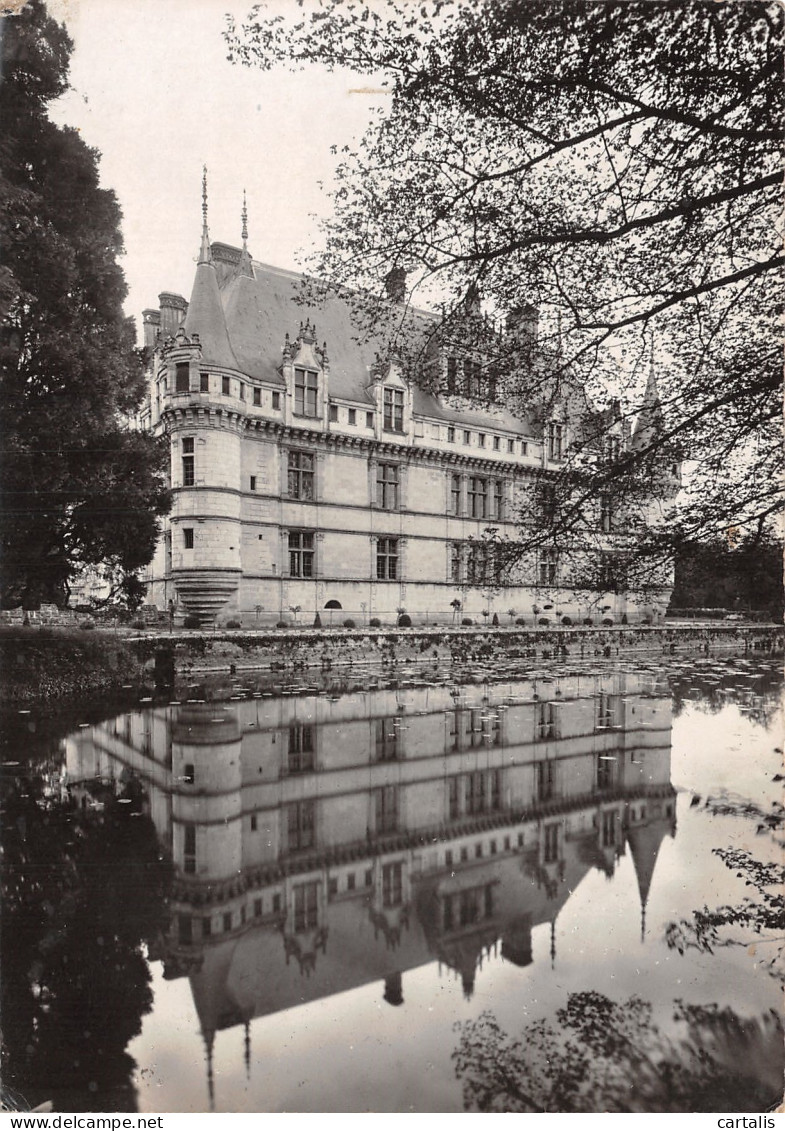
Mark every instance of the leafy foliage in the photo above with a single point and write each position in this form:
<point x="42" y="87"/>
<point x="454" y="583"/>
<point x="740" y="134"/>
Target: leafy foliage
<point x="602" y="1055"/>
<point x="83" y="891"/>
<point x="614" y="167"/>
<point x="710" y="929"/>
<point x="80" y="487"/>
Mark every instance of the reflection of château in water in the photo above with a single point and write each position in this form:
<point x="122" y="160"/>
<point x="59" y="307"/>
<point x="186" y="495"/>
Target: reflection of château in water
<point x="323" y="843"/>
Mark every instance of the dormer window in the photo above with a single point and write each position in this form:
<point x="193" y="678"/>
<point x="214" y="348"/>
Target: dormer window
<point x="306" y="389"/>
<point x="393" y="410"/>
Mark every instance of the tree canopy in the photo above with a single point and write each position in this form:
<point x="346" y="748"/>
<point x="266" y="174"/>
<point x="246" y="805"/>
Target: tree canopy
<point x="616" y="166"/>
<point x="80" y="486"/>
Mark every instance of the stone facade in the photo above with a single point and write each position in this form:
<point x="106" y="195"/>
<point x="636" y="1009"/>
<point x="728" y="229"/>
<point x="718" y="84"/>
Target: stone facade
<point x="311" y="482"/>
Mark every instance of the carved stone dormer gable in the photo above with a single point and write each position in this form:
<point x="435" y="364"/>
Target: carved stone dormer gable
<point x="304" y="350"/>
<point x="305" y="369"/>
<point x="393" y="396"/>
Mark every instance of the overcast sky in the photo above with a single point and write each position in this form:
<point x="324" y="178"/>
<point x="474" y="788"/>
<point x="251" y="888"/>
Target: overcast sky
<point x="154" y="93"/>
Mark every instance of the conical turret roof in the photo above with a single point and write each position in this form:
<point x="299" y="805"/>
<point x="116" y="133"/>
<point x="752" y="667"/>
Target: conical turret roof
<point x="650" y="423"/>
<point x="205" y="317"/>
<point x="644" y="842"/>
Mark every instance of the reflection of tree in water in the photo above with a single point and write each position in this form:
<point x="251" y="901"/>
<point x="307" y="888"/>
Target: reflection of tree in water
<point x="601" y="1055"/>
<point x="82" y="892"/>
<point x="760" y="917"/>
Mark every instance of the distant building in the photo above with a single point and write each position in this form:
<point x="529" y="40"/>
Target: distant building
<point x="309" y="475"/>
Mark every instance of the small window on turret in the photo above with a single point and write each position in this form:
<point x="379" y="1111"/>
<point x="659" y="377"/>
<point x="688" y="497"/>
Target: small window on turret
<point x="188" y="538"/>
<point x="182" y="377"/>
<point x="204" y="383"/>
<point x="225" y="386"/>
<point x="369" y="420"/>
<point x="257" y="396"/>
<point x="242" y="391"/>
<point x="276" y="400"/>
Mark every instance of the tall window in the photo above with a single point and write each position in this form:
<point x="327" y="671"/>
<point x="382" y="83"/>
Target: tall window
<point x="550" y="850"/>
<point x="454" y="797"/>
<point x="306" y="906"/>
<point x="475" y="793"/>
<point x="546" y="781"/>
<point x="609" y="829"/>
<point x="301" y="824"/>
<point x="546" y="720"/>
<point x="188" y="538"/>
<point x="188" y="463"/>
<point x="387" y="480"/>
<point x="392" y="885"/>
<point x="555" y="440"/>
<point x="387" y="559"/>
<point x="189" y="849"/>
<point x="605" y="714"/>
<point x="452" y="374"/>
<point x="300" y="754"/>
<point x="386" y="740"/>
<point x="300" y="475"/>
<point x="182" y="377"/>
<point x="387" y="809"/>
<point x="456" y="563"/>
<point x="478" y="497"/>
<point x="606" y="771"/>
<point x="477" y="562"/>
<point x="612" y="448"/>
<point x="548" y="567"/>
<point x="393" y="410"/>
<point x="498" y="499"/>
<point x="472" y="378"/>
<point x="606" y="513"/>
<point x="306" y="388"/>
<point x="204" y="382"/>
<point x="455" y="494"/>
<point x="300" y="554"/>
<point x="613" y="573"/>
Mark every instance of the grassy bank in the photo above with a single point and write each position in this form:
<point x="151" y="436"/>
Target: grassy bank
<point x="50" y="663"/>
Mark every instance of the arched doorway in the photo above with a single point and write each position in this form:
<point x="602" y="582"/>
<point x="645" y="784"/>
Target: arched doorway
<point x="331" y="606"/>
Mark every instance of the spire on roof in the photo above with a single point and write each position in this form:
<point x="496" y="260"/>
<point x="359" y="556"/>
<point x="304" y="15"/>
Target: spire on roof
<point x="205" y="255"/>
<point x="209" y="1041"/>
<point x="245" y="256"/>
<point x="649" y="424"/>
<point x="205" y="315"/>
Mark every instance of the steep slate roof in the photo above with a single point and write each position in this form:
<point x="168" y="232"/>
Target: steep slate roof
<point x="205" y="317"/>
<point x="260" y="311"/>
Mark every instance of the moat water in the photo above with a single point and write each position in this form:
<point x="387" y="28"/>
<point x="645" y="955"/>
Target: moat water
<point x="419" y="893"/>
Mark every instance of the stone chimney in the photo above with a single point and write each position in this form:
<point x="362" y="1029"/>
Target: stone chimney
<point x="522" y="324"/>
<point x="173" y="311"/>
<point x="395" y="284"/>
<point x="151" y="324"/>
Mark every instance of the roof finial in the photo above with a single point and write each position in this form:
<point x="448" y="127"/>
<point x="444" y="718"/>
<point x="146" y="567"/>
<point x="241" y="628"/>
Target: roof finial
<point x="245" y="258"/>
<point x="205" y="255"/>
